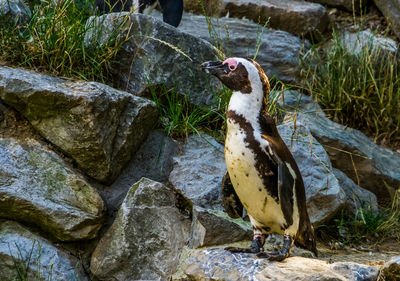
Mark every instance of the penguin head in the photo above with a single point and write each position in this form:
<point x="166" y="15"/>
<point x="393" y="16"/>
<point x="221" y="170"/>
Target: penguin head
<point x="238" y="74"/>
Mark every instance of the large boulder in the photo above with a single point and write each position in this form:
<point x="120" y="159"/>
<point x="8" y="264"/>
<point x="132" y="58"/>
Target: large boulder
<point x="279" y="51"/>
<point x="391" y="10"/>
<point x="24" y="252"/>
<point x="217" y="264"/>
<point x="357" y="199"/>
<point x="281" y="14"/>
<point x="96" y="125"/>
<point x="38" y="187"/>
<point x="198" y="171"/>
<point x="368" y="165"/>
<point x="155" y="53"/>
<point x="146" y="238"/>
<point x="153" y="160"/>
<point x="324" y="195"/>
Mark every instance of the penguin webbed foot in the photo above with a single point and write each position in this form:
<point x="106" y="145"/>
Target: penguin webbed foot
<point x="256" y="247"/>
<point x="281" y="254"/>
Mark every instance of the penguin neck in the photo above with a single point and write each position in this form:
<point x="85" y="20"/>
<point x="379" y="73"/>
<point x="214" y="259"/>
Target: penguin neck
<point x="247" y="105"/>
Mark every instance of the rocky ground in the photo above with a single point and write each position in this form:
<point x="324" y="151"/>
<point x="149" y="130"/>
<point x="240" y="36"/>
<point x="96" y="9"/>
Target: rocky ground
<point x="91" y="190"/>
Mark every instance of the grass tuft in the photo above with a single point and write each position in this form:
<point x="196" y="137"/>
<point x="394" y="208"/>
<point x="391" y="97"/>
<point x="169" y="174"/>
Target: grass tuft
<point x="53" y="42"/>
<point x="360" y="90"/>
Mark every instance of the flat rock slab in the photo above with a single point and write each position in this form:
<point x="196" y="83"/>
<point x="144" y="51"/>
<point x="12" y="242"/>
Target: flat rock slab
<point x="324" y="195"/>
<point x="279" y="51"/>
<point x="155" y="53"/>
<point x="282" y="14"/>
<point x="218" y="264"/>
<point x="198" y="171"/>
<point x="38" y="187"/>
<point x="19" y="247"/>
<point x="96" y="125"/>
<point x="146" y="238"/>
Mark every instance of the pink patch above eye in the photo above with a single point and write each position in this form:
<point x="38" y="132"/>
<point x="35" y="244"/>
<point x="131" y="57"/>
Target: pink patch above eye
<point x="232" y="63"/>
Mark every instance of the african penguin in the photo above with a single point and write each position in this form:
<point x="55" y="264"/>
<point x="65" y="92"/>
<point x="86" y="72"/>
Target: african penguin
<point x="264" y="176"/>
<point x="172" y="9"/>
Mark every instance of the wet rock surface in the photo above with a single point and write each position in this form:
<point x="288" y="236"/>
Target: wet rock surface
<point x="156" y="52"/>
<point x="35" y="256"/>
<point x="146" y="238"/>
<point x="38" y="187"/>
<point x="280" y="14"/>
<point x="212" y="227"/>
<point x="218" y="264"/>
<point x="96" y="125"/>
<point x="279" y="53"/>
<point x="198" y="171"/>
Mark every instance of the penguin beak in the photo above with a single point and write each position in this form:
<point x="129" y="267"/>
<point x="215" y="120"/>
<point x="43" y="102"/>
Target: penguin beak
<point x="215" y="68"/>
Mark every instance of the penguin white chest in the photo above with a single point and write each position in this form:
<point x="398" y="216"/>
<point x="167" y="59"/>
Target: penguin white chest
<point x="248" y="184"/>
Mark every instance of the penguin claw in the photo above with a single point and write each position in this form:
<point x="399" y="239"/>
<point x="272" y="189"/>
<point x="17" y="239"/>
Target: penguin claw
<point x="256" y="247"/>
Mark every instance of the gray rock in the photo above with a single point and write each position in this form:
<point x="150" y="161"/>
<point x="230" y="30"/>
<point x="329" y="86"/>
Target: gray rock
<point x="14" y="12"/>
<point x="19" y="248"/>
<point x="38" y="187"/>
<point x="355" y="42"/>
<point x="198" y="171"/>
<point x="212" y="227"/>
<point x="324" y="195"/>
<point x="357" y="198"/>
<point x="391" y="10"/>
<point x="278" y="53"/>
<point x="368" y="165"/>
<point x="390" y="271"/>
<point x="153" y="160"/>
<point x="155" y="53"/>
<point x="217" y="264"/>
<point x="293" y="101"/>
<point x="96" y="125"/>
<point x="284" y="14"/>
<point x="146" y="238"/>
<point x="348" y="5"/>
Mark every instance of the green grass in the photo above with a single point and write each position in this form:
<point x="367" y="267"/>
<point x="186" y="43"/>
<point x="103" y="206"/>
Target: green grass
<point x="53" y="42"/>
<point x="365" y="224"/>
<point x="360" y="90"/>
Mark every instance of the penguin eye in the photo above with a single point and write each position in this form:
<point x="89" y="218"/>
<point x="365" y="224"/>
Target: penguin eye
<point x="232" y="67"/>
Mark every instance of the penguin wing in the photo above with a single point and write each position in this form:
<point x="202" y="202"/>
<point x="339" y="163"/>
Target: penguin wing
<point x="287" y="167"/>
<point x="230" y="200"/>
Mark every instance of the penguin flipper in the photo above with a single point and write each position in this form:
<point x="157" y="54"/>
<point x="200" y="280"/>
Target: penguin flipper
<point x="230" y="200"/>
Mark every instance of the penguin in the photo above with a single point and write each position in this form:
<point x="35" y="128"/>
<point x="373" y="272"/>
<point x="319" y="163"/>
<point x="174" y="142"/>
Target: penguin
<point x="172" y="9"/>
<point x="262" y="175"/>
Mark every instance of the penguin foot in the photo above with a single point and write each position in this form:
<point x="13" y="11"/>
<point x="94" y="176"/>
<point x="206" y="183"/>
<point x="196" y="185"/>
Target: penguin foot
<point x="256" y="247"/>
<point x="282" y="254"/>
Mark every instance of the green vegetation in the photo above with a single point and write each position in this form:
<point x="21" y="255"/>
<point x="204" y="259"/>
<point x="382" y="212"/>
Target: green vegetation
<point x="53" y="42"/>
<point x="360" y="90"/>
<point x="365" y="224"/>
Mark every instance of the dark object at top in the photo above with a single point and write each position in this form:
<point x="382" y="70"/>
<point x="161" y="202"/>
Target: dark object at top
<point x="172" y="9"/>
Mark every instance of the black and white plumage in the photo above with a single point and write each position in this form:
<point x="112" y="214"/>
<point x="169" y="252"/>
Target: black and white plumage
<point x="264" y="176"/>
<point x="172" y="9"/>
